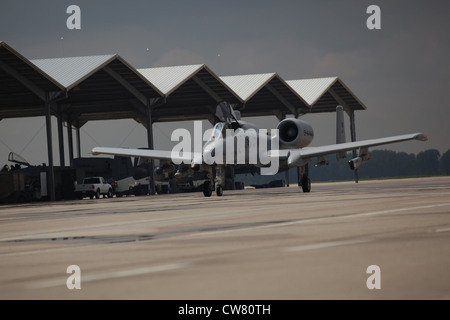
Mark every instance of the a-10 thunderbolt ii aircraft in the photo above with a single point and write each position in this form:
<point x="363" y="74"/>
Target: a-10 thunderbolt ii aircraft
<point x="234" y="142"/>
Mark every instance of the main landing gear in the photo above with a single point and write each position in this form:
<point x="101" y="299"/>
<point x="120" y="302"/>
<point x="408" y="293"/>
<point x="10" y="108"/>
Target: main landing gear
<point x="208" y="189"/>
<point x="303" y="180"/>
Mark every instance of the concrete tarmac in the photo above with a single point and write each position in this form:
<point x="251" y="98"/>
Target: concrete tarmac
<point x="250" y="244"/>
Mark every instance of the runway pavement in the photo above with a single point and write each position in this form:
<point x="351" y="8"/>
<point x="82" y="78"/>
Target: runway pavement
<point x="251" y="244"/>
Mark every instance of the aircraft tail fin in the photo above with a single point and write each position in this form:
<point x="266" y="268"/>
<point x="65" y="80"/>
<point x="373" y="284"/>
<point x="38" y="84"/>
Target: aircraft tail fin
<point x="340" y="130"/>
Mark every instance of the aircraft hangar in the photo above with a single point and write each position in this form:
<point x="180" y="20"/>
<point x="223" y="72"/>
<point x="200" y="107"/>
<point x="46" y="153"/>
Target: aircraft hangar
<point x="80" y="89"/>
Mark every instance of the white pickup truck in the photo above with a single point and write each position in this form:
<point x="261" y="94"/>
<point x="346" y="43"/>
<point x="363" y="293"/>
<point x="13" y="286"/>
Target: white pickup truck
<point x="93" y="187"/>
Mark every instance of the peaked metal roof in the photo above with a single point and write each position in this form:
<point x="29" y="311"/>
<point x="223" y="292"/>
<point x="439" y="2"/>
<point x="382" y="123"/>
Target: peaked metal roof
<point x="107" y="87"/>
<point x="100" y="87"/>
<point x="168" y="79"/>
<point x="312" y="89"/>
<point x="71" y="71"/>
<point x="22" y="85"/>
<point x="324" y="94"/>
<point x="266" y="93"/>
<point x="191" y="92"/>
<point x="246" y="86"/>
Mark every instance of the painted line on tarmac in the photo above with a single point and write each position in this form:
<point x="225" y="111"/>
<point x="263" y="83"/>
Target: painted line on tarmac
<point x="261" y="227"/>
<point x="109" y="275"/>
<point x="289" y="223"/>
<point x="60" y="232"/>
<point x="322" y="245"/>
<point x="396" y="210"/>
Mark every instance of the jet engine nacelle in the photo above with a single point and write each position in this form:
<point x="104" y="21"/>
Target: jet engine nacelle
<point x="358" y="161"/>
<point x="294" y="133"/>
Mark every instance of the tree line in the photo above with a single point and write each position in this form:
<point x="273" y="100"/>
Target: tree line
<point x="382" y="164"/>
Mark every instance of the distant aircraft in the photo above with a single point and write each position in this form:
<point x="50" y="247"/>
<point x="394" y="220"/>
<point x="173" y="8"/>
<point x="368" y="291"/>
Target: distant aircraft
<point x="235" y="142"/>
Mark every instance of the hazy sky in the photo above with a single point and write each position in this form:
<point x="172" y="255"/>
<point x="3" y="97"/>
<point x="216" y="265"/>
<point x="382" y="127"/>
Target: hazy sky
<point x="400" y="72"/>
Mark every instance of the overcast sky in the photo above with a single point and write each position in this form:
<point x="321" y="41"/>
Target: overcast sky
<point x="401" y="72"/>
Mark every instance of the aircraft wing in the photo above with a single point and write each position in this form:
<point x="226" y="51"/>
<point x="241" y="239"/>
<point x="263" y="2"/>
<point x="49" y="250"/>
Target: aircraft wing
<point x="186" y="157"/>
<point x="296" y="157"/>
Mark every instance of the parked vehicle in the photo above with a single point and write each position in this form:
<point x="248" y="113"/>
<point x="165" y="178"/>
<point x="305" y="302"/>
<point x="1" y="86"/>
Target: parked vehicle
<point x="93" y="187"/>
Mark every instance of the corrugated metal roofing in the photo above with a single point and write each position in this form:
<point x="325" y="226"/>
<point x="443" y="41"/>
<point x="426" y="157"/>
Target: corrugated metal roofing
<point x="168" y="79"/>
<point x="324" y="94"/>
<point x="266" y="93"/>
<point x="70" y="71"/>
<point x="189" y="92"/>
<point x="26" y="68"/>
<point x="246" y="86"/>
<point x="100" y="87"/>
<point x="312" y="90"/>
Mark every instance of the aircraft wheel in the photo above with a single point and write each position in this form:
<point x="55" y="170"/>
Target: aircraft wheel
<point x="110" y="193"/>
<point x="306" y="184"/>
<point x="207" y="192"/>
<point x="219" y="191"/>
<point x="97" y="194"/>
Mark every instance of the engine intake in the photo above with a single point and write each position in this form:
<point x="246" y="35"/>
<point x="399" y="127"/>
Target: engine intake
<point x="294" y="133"/>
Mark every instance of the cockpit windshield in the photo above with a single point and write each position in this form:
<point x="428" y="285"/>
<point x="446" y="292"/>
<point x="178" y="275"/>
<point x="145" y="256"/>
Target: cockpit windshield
<point x="217" y="131"/>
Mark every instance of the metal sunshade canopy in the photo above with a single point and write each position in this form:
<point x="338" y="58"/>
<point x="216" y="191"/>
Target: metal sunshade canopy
<point x="266" y="94"/>
<point x="324" y="94"/>
<point x="192" y="92"/>
<point x="23" y="85"/>
<point x="100" y="87"/>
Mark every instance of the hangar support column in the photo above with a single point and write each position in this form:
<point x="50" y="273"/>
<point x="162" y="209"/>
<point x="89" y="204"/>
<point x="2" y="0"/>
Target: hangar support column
<point x="60" y="138"/>
<point x="70" y="138"/>
<point x="51" y="172"/>
<point x="78" y="142"/>
<point x="150" y="145"/>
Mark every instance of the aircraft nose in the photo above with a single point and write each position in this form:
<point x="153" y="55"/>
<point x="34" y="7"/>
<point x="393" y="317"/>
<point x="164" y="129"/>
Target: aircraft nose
<point x="209" y="152"/>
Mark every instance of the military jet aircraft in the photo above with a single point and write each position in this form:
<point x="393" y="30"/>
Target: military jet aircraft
<point x="235" y="142"/>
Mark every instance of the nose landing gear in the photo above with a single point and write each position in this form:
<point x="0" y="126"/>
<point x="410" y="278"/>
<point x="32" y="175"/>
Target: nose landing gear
<point x="213" y="184"/>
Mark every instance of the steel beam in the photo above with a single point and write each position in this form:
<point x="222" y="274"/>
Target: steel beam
<point x="78" y="142"/>
<point x="286" y="103"/>
<point x="207" y="89"/>
<point x="150" y="145"/>
<point x="126" y="85"/>
<point x="60" y="137"/>
<point x="340" y="101"/>
<point x="27" y="83"/>
<point x="70" y="138"/>
<point x="51" y="172"/>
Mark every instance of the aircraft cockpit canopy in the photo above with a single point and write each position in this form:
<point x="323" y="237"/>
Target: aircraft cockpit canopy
<point x="217" y="130"/>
